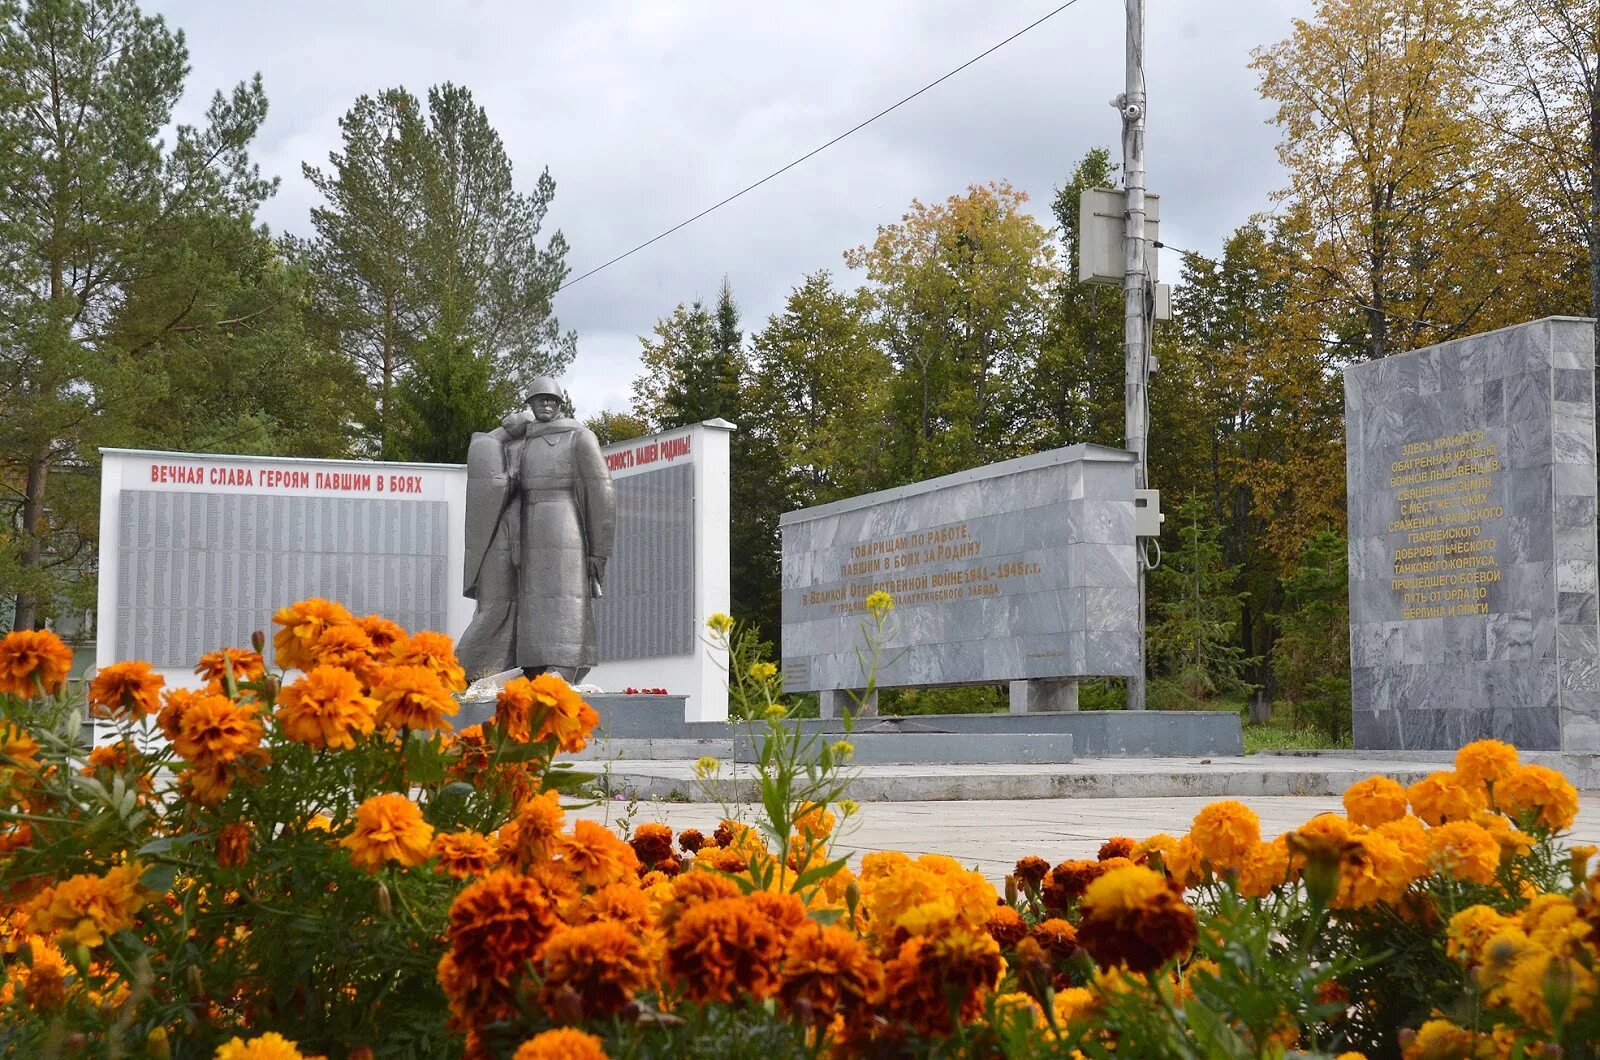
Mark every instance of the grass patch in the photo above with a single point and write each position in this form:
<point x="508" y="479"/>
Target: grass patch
<point x="1279" y="738"/>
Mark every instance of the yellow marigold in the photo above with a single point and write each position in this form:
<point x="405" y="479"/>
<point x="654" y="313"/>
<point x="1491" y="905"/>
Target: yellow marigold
<point x="1554" y="923"/>
<point x="593" y="971"/>
<point x="269" y="1046"/>
<point x="213" y="731"/>
<point x="435" y="651"/>
<point x="1375" y="801"/>
<point x="930" y="895"/>
<point x="1183" y="863"/>
<point x="723" y="948"/>
<point x="1464" y="850"/>
<point x="815" y="823"/>
<point x="595" y="856"/>
<point x="41" y="981"/>
<point x="1514" y="842"/>
<point x="500" y="923"/>
<point x="1446" y="796"/>
<point x="1224" y="832"/>
<point x="86" y="908"/>
<point x="349" y="648"/>
<point x="562" y="1043"/>
<point x="125" y="690"/>
<point x="1440" y="1039"/>
<point x="300" y="625"/>
<point x="233" y="845"/>
<point x="32" y="660"/>
<point x="246" y="665"/>
<point x="389" y="827"/>
<point x="380" y="631"/>
<point x="1022" y="1004"/>
<point x="1375" y="869"/>
<point x="326" y="709"/>
<point x="530" y="836"/>
<point x="1075" y="1005"/>
<point x="1131" y="917"/>
<point x="1537" y="797"/>
<point x="411" y="697"/>
<point x="1264" y="868"/>
<point x="464" y="854"/>
<point x="1485" y="762"/>
<point x="1470" y="931"/>
<point x="1541" y="976"/>
<point x="16" y="746"/>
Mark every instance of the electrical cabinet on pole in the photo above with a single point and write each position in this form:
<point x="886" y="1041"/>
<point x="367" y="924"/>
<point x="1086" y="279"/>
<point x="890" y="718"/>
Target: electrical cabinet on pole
<point x="1136" y="302"/>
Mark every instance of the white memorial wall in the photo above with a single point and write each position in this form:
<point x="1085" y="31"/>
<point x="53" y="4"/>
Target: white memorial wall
<point x="197" y="551"/>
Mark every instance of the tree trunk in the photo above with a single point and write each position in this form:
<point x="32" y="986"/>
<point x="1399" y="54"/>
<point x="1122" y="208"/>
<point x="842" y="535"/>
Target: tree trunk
<point x="29" y="613"/>
<point x="388" y="378"/>
<point x="1594" y="209"/>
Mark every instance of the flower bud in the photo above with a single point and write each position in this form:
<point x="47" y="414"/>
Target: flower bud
<point x="1011" y="890"/>
<point x="156" y="1046"/>
<point x="385" y="903"/>
<point x="258" y="641"/>
<point x="197" y="985"/>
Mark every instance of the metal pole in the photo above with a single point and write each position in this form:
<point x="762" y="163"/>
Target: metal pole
<point x="1135" y="281"/>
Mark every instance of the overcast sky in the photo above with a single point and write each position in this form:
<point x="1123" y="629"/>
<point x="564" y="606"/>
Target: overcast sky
<point x="647" y="112"/>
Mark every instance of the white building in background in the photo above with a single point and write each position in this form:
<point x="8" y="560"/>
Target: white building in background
<point x="198" y="550"/>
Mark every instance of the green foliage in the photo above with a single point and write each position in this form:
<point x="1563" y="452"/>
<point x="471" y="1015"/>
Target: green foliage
<point x="1192" y="641"/>
<point x="1311" y="658"/>
<point x="948" y="699"/>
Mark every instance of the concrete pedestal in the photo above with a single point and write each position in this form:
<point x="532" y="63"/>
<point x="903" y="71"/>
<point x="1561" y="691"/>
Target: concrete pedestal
<point x="1033" y="697"/>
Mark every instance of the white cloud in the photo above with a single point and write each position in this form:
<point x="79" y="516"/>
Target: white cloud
<point x="647" y="113"/>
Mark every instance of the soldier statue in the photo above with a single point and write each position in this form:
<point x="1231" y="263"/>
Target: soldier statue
<point x="541" y="515"/>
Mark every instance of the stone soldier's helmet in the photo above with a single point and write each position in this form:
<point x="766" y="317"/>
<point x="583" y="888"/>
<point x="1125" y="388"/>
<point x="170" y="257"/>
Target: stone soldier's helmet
<point x="545" y="386"/>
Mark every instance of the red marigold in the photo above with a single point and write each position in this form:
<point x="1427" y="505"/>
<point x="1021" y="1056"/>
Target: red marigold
<point x="1131" y="917"/>
<point x="435" y="651"/>
<point x="827" y="972"/>
<point x="1006" y="926"/>
<point x="1066" y="883"/>
<point x="326" y="709"/>
<point x="301" y="624"/>
<point x="233" y="845"/>
<point x="724" y="948"/>
<point x="652" y="842"/>
<point x="411" y="697"/>
<point x="593" y="970"/>
<point x="125" y="690"/>
<point x="691" y="840"/>
<point x="1031" y="870"/>
<point x="930" y="977"/>
<point x="499" y="924"/>
<point x="1118" y="846"/>
<point x="31" y="661"/>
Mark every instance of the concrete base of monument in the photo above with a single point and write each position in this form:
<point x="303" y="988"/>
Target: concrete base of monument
<point x="622" y="716"/>
<point x="870" y="748"/>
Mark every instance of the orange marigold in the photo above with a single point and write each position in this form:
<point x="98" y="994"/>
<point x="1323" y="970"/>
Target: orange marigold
<point x="347" y="647"/>
<point x="562" y="1043"/>
<point x="16" y="746"/>
<point x="1131" y="917"/>
<point x="1440" y="1039"/>
<point x="411" y="697"/>
<point x="1006" y="926"/>
<point x="1118" y="846"/>
<point x="246" y="665"/>
<point x="233" y="845"/>
<point x="499" y="924"/>
<point x="622" y="903"/>
<point x="435" y="651"/>
<point x="530" y="836"/>
<point x="652" y="842"/>
<point x="464" y="854"/>
<point x="1464" y="850"/>
<point x="593" y="970"/>
<point x="595" y="856"/>
<point x="1225" y="832"/>
<point x="32" y="660"/>
<point x="1264" y="868"/>
<point x="326" y="709"/>
<point x="125" y="690"/>
<point x="1066" y="883"/>
<point x="41" y="981"/>
<point x="1537" y="797"/>
<point x="827" y="972"/>
<point x="1446" y="796"/>
<point x="86" y="908"/>
<point x="1374" y="801"/>
<point x="1031" y="870"/>
<point x="213" y="731"/>
<point x="931" y="977"/>
<point x="301" y="625"/>
<point x="723" y="948"/>
<point x="389" y="827"/>
<point x="1056" y="937"/>
<point x="383" y="633"/>
<point x="545" y="707"/>
<point x="1485" y="762"/>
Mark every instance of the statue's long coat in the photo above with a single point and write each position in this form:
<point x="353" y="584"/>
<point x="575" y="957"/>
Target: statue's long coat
<point x="539" y="505"/>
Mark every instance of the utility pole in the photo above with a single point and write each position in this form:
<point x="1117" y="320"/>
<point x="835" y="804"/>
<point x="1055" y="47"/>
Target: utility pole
<point x="1135" y="318"/>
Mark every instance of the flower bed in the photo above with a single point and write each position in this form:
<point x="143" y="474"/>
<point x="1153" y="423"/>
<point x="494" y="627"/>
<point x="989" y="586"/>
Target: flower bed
<point x="288" y="864"/>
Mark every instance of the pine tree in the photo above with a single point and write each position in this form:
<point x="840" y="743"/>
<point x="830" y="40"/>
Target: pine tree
<point x="1311" y="659"/>
<point x="1193" y="641"/>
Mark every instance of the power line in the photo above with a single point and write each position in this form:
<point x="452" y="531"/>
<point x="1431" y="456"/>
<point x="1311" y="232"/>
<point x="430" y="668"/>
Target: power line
<point x="818" y="150"/>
